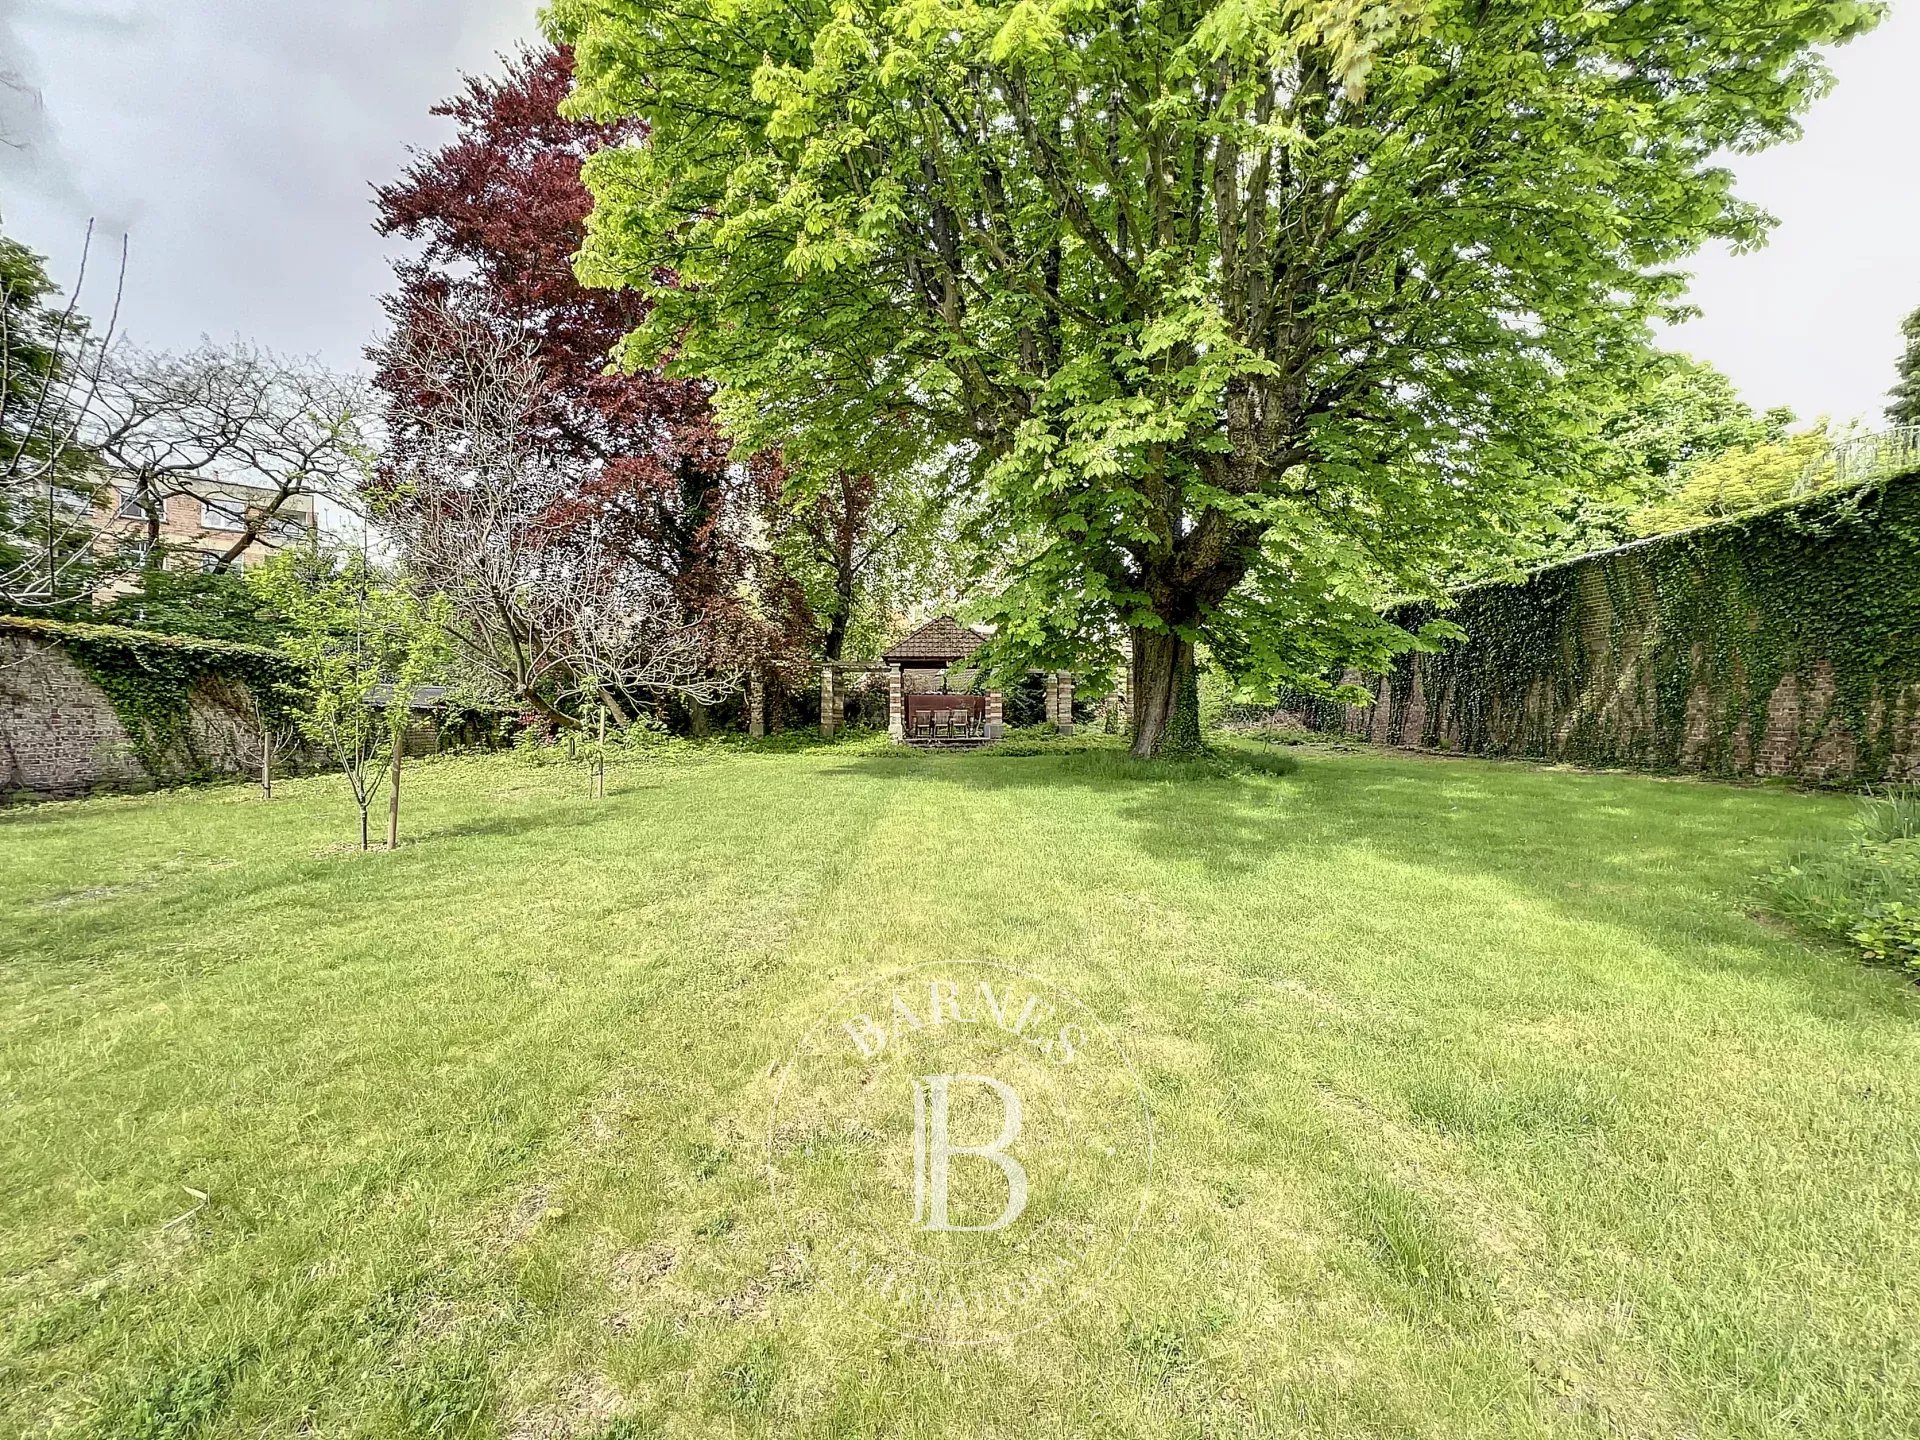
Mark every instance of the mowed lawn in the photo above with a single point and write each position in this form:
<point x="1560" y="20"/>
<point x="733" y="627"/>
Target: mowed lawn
<point x="1485" y="1104"/>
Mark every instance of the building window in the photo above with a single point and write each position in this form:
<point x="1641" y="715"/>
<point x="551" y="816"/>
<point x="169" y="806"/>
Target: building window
<point x="132" y="505"/>
<point x="223" y="515"/>
<point x="208" y="560"/>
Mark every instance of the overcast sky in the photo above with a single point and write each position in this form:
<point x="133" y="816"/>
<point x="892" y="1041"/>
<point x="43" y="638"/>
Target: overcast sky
<point x="236" y="139"/>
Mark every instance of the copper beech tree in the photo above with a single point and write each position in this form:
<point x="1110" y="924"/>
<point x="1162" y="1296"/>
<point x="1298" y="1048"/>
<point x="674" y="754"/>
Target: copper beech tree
<point x="630" y="466"/>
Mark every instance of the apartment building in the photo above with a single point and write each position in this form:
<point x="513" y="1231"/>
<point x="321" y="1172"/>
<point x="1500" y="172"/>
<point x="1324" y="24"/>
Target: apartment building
<point x="201" y="524"/>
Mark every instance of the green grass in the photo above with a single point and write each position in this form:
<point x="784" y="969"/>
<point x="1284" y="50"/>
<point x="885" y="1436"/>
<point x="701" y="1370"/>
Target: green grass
<point x="1484" y="1105"/>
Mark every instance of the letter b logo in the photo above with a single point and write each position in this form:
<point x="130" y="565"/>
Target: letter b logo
<point x="933" y="1152"/>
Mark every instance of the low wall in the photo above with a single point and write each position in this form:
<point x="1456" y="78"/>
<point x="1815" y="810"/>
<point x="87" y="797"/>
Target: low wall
<point x="1785" y="643"/>
<point x="187" y="709"/>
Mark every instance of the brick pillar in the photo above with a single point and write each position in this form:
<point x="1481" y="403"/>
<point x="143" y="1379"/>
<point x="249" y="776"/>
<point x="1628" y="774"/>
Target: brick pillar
<point x="994" y="726"/>
<point x="1063" y="695"/>
<point x="1051" y="712"/>
<point x="829" y="684"/>
<point x="756" y="707"/>
<point x="896" y="705"/>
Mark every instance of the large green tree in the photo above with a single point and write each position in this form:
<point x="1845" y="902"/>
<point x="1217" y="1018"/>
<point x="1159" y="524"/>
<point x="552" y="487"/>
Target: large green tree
<point x="1213" y="289"/>
<point x="1683" y="413"/>
<point x="1905" y="409"/>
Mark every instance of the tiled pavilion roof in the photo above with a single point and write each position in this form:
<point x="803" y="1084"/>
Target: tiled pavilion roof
<point x="938" y="642"/>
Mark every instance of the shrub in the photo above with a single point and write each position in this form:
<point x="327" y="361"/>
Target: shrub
<point x="1890" y="933"/>
<point x="1867" y="890"/>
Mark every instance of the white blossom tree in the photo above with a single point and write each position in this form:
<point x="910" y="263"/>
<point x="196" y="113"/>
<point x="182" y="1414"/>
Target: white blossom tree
<point x="545" y="604"/>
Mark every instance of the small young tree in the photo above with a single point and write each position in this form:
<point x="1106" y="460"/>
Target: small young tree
<point x="356" y="634"/>
<point x="272" y="736"/>
<point x="424" y="654"/>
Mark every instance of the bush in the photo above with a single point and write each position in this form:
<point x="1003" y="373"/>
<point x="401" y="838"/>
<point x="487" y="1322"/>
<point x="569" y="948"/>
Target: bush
<point x="1866" y="891"/>
<point x="1890" y="933"/>
<point x="188" y="602"/>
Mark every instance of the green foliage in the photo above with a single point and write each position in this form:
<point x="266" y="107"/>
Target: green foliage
<point x="150" y="680"/>
<point x="1674" y="414"/>
<point x="1674" y="649"/>
<point x="1743" y="479"/>
<point x="219" y="606"/>
<point x="179" y="1404"/>
<point x="1205" y="294"/>
<point x="1905" y="409"/>
<point x="47" y="559"/>
<point x="1865" y="890"/>
<point x="25" y="291"/>
<point x="863" y="548"/>
<point x="353" y="631"/>
<point x="1890" y="933"/>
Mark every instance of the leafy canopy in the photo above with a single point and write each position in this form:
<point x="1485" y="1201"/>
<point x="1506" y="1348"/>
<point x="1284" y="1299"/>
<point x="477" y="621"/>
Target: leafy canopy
<point x="1682" y="414"/>
<point x="1282" y="301"/>
<point x="1744" y="478"/>
<point x="1905" y="409"/>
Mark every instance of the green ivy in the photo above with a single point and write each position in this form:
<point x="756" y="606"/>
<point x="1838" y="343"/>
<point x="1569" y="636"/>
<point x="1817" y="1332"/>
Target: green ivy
<point x="1182" y="736"/>
<point x="149" y="680"/>
<point x="1613" y="659"/>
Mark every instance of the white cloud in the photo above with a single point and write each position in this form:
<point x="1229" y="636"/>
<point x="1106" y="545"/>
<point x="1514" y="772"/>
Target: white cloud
<point x="239" y="139"/>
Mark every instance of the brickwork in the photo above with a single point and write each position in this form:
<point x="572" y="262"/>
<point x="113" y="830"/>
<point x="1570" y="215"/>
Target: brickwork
<point x="1059" y="699"/>
<point x="60" y="737"/>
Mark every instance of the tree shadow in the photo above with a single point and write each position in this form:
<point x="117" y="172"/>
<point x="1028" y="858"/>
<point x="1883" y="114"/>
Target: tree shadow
<point x="1221" y="815"/>
<point x="1632" y="852"/>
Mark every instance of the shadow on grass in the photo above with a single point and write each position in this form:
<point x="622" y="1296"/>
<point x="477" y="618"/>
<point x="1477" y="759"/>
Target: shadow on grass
<point x="1218" y="809"/>
<point x="1631" y="852"/>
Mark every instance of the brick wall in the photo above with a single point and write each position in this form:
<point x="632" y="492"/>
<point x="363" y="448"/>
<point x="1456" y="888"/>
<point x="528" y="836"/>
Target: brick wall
<point x="60" y="737"/>
<point x="1783" y="644"/>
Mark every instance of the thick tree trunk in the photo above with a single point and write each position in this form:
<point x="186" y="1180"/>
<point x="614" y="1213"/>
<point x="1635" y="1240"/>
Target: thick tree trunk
<point x="834" y="648"/>
<point x="1165" y="696"/>
<point x="699" y="720"/>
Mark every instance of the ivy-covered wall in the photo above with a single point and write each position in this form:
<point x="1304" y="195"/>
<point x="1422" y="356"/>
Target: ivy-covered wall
<point x="96" y="707"/>
<point x="1783" y="643"/>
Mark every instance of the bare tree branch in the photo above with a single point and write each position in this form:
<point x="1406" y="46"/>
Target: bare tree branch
<point x="544" y="605"/>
